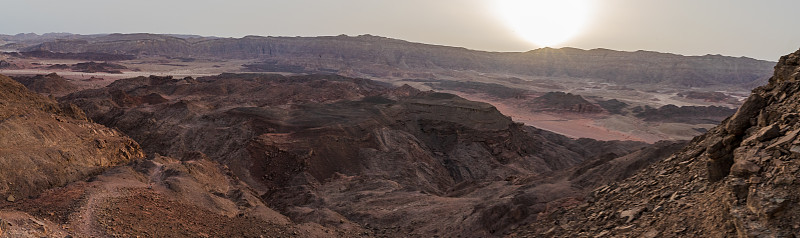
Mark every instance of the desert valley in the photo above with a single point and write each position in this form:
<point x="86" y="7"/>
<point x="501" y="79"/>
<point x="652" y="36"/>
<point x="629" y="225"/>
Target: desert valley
<point x="152" y="135"/>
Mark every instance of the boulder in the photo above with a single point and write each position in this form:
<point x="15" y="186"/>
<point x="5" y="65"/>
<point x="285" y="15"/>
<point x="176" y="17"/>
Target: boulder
<point x="743" y="168"/>
<point x="768" y="133"/>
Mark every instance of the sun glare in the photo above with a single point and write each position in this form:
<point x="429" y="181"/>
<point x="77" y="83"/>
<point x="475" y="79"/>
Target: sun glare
<point x="545" y="22"/>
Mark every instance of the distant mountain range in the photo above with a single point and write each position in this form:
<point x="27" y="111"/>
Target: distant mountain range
<point x="384" y="57"/>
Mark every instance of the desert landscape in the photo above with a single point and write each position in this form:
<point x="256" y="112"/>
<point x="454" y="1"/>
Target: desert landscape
<point x="228" y="145"/>
<point x="218" y="132"/>
<point x="512" y="87"/>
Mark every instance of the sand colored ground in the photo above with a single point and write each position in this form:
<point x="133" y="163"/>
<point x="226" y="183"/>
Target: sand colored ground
<point x="594" y="126"/>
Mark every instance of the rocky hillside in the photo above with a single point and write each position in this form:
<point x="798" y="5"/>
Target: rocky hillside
<point x="737" y="180"/>
<point x="684" y="114"/>
<point x="46" y="144"/>
<point x="65" y="176"/>
<point x="51" y="84"/>
<point x="354" y="155"/>
<point x="384" y="57"/>
<point x="564" y="102"/>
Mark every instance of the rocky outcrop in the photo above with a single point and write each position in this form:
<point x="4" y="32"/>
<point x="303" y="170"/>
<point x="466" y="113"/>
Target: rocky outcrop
<point x="709" y="96"/>
<point x="737" y="180"/>
<point x="383" y="57"/>
<point x="51" y="84"/>
<point x="46" y="144"/>
<point x="6" y="65"/>
<point x="613" y="106"/>
<point x="684" y="114"/>
<point x="564" y="102"/>
<point x="490" y="89"/>
<point x="94" y="67"/>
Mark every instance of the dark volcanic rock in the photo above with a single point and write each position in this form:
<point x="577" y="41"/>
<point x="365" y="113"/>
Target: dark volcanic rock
<point x="686" y="114"/>
<point x="613" y="106"/>
<point x="737" y="180"/>
<point x="561" y="101"/>
<point x="491" y="89"/>
<point x="58" y="66"/>
<point x="93" y="67"/>
<point x="6" y="65"/>
<point x="707" y="96"/>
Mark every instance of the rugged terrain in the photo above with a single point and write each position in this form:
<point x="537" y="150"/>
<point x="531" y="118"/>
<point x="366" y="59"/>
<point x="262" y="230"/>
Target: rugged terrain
<point x="64" y="175"/>
<point x="507" y="80"/>
<point x="356" y="155"/>
<point x="737" y="180"/>
<point x="321" y="155"/>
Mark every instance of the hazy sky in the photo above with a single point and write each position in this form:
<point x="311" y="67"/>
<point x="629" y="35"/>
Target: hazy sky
<point x="762" y="29"/>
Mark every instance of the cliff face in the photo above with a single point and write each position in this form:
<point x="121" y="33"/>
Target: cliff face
<point x="383" y="57"/>
<point x="44" y="144"/>
<point x="738" y="180"/>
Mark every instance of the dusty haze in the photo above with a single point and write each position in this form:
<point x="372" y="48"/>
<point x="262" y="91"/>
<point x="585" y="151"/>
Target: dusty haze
<point x="686" y="27"/>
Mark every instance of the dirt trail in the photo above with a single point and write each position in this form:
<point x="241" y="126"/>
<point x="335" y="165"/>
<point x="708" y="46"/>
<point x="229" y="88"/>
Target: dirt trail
<point x="85" y="219"/>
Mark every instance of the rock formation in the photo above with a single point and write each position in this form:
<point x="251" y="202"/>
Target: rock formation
<point x="94" y="67"/>
<point x="6" y="65"/>
<point x="685" y="114"/>
<point x="564" y="102"/>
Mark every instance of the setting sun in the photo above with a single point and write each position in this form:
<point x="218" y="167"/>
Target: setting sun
<point x="545" y="22"/>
